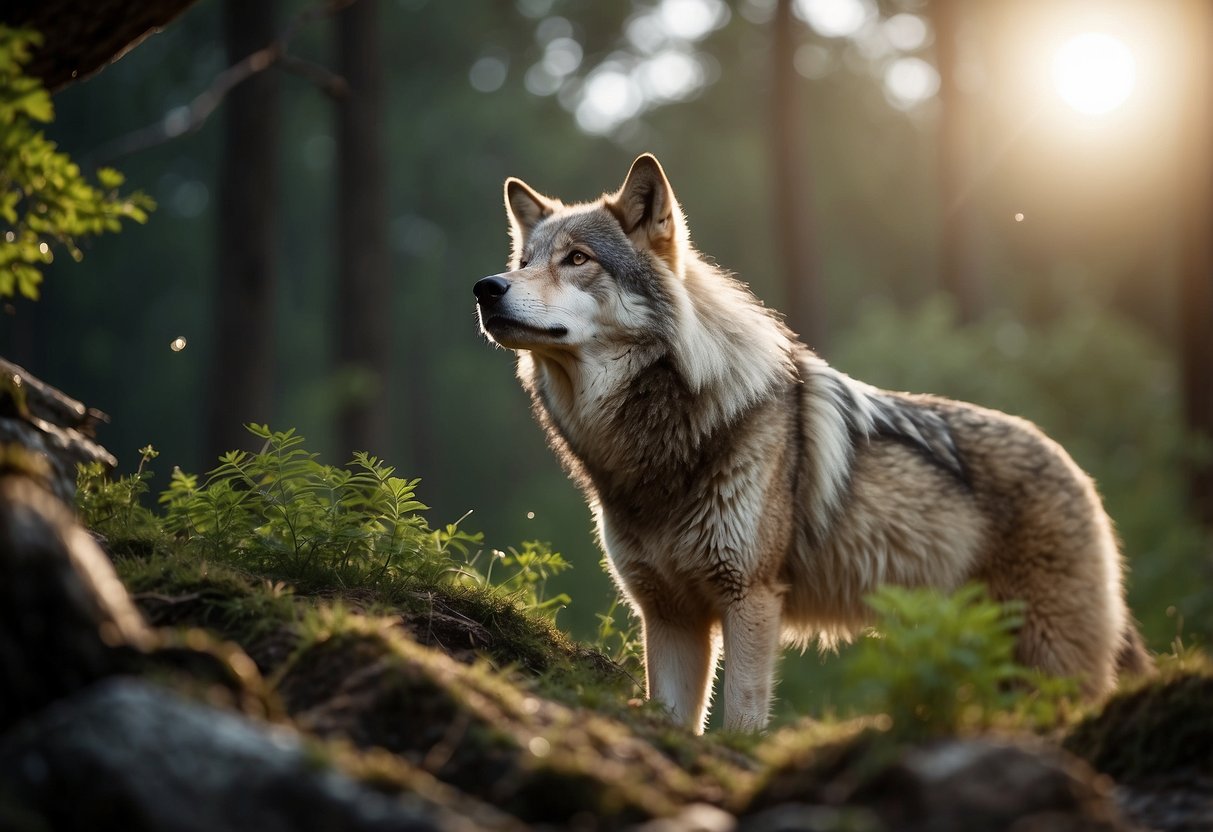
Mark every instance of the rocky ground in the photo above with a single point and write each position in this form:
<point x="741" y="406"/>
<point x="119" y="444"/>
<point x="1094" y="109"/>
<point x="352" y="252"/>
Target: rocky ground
<point x="147" y="689"/>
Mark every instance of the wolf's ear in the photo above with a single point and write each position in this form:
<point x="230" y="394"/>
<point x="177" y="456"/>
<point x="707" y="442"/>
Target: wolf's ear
<point x="646" y="208"/>
<point x="526" y="209"/>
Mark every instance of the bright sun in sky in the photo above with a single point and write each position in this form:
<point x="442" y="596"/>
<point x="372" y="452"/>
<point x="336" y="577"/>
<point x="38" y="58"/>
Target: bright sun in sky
<point x="1094" y="73"/>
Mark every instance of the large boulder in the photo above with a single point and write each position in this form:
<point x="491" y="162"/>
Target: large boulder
<point x="65" y="618"/>
<point x="125" y="754"/>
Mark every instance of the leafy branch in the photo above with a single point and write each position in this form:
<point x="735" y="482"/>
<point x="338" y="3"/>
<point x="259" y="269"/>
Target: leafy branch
<point x="45" y="201"/>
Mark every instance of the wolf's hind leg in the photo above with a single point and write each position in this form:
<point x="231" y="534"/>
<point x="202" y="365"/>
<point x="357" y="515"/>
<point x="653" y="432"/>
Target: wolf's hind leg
<point x="679" y="662"/>
<point x="1067" y="632"/>
<point x="751" y="646"/>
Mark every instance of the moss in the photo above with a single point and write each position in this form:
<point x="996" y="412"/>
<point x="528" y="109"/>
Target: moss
<point x="475" y="728"/>
<point x="180" y="592"/>
<point x="1160" y="727"/>
<point x="802" y="763"/>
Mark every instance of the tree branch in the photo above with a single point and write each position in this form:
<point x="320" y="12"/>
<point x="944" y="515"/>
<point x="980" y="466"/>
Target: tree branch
<point x="82" y="36"/>
<point x="190" y="118"/>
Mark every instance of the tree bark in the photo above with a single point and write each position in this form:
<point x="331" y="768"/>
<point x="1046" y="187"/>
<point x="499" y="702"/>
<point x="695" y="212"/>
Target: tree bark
<point x="793" y="187"/>
<point x="82" y="36"/>
<point x="364" y="296"/>
<point x="957" y="273"/>
<point x="242" y="370"/>
<point x="1196" y="256"/>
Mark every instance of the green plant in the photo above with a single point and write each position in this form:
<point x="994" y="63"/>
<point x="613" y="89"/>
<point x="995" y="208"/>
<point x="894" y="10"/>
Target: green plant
<point x="526" y="575"/>
<point x="938" y="664"/>
<point x="111" y="507"/>
<point x="281" y="513"/>
<point x="281" y="505"/>
<point x="45" y="200"/>
<point x="621" y="643"/>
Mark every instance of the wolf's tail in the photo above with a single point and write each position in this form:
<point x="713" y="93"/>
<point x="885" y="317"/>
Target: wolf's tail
<point x="1133" y="658"/>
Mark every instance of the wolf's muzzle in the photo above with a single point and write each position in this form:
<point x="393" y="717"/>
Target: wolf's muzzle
<point x="489" y="290"/>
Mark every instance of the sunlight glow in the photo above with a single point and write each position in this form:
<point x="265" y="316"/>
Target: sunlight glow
<point x="835" y="18"/>
<point x="610" y="97"/>
<point x="1094" y="73"/>
<point x="909" y="82"/>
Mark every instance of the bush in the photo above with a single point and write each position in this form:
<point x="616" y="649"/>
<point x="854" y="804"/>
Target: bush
<point x="281" y="512"/>
<point x="939" y="664"/>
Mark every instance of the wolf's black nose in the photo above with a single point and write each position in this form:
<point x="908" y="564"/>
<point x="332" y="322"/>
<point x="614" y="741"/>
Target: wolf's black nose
<point x="490" y="288"/>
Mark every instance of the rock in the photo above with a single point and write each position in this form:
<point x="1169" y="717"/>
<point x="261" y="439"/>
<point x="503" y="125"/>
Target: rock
<point x="979" y="784"/>
<point x="1157" y="741"/>
<point x="697" y="817"/>
<point x="1172" y="803"/>
<point x="536" y="759"/>
<point x="128" y="755"/>
<point x="947" y="786"/>
<point x="1163" y="727"/>
<point x="46" y="422"/>
<point x="803" y="817"/>
<point x="65" y="618"/>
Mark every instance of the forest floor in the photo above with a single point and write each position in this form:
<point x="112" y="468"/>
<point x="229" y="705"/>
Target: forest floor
<point x="479" y="715"/>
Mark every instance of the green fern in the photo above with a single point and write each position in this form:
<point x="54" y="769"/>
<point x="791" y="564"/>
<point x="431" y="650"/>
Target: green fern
<point x="938" y="664"/>
<point x="280" y="512"/>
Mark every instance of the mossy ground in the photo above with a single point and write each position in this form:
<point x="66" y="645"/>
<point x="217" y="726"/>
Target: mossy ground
<point x="456" y="696"/>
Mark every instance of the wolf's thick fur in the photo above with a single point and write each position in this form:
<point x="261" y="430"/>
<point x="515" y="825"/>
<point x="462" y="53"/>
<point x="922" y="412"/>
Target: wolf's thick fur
<point x="746" y="492"/>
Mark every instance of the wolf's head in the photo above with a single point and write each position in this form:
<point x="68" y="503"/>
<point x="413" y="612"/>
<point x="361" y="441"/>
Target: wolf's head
<point x="592" y="274"/>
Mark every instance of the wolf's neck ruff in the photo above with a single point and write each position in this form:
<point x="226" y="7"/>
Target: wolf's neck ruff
<point x="638" y="426"/>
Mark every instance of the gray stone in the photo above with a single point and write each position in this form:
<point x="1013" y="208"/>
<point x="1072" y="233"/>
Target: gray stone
<point x="124" y="754"/>
<point x="65" y="618"/>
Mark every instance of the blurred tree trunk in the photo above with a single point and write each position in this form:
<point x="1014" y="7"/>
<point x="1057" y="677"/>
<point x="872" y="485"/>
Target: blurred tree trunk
<point x="793" y="188"/>
<point x="957" y="273"/>
<point x="1196" y="258"/>
<point x="242" y="370"/>
<point x="364" y="293"/>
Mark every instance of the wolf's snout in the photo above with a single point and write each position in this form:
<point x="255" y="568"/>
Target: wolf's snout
<point x="489" y="289"/>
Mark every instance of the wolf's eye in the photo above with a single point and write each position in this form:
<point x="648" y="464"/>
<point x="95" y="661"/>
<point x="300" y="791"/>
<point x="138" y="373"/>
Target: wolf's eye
<point x="523" y="263"/>
<point x="577" y="258"/>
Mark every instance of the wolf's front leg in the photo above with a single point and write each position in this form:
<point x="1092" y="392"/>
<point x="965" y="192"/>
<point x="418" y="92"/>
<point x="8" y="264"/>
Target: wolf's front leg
<point x="751" y="645"/>
<point x="679" y="660"/>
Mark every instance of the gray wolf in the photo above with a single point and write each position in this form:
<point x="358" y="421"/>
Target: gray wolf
<point x="747" y="493"/>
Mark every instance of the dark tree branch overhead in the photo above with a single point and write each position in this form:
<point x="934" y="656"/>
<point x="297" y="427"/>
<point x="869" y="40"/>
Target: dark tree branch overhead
<point x="270" y="53"/>
<point x="82" y="36"/>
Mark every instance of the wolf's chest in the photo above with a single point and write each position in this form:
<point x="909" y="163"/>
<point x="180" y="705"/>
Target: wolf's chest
<point x="702" y="554"/>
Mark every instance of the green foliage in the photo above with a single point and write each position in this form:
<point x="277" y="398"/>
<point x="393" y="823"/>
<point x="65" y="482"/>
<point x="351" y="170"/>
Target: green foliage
<point x="112" y="507"/>
<point x="283" y="513"/>
<point x="45" y="200"/>
<point x="621" y="643"/>
<point x="1099" y="385"/>
<point x="527" y="573"/>
<point x="283" y="506"/>
<point x="940" y="664"/>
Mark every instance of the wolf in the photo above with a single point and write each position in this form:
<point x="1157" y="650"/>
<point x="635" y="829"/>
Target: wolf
<point x="746" y="493"/>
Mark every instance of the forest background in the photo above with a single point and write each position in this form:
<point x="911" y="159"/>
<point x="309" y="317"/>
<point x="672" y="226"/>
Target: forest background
<point x="901" y="178"/>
